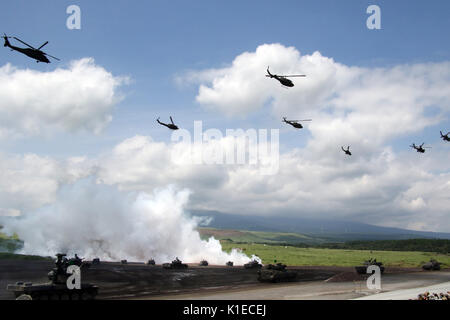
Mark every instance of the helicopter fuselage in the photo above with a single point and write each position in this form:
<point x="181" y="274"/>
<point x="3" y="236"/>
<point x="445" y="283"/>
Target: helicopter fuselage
<point x="284" y="81"/>
<point x="295" y="124"/>
<point x="32" y="53"/>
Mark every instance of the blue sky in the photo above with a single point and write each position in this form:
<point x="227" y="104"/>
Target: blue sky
<point x="153" y="43"/>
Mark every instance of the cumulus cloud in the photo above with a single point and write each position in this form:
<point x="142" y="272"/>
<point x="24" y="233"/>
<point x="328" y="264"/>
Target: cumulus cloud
<point x="346" y="102"/>
<point x="80" y="97"/>
<point x="30" y="181"/>
<point x="362" y="107"/>
<point x="387" y="189"/>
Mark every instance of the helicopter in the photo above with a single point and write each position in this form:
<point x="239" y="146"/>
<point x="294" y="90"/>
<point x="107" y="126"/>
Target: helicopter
<point x="420" y="148"/>
<point x="445" y="137"/>
<point x="283" y="79"/>
<point x="171" y="126"/>
<point x="31" y="52"/>
<point x="347" y="152"/>
<point x="295" y="123"/>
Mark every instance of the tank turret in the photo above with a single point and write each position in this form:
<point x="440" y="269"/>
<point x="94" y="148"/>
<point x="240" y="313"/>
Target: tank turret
<point x="254" y="264"/>
<point x="276" y="273"/>
<point x="363" y="268"/>
<point x="432" y="265"/>
<point x="176" y="264"/>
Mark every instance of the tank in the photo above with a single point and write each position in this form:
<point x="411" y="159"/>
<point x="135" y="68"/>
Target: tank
<point x="176" y="264"/>
<point x="363" y="268"/>
<point x="96" y="261"/>
<point x="123" y="261"/>
<point x="56" y="289"/>
<point x="432" y="265"/>
<point x="151" y="262"/>
<point x="252" y="265"/>
<point x="229" y="264"/>
<point x="276" y="273"/>
<point x="203" y="263"/>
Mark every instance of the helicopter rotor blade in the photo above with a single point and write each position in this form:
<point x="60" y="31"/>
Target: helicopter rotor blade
<point x="171" y="120"/>
<point x="24" y="43"/>
<point x="295" y="75"/>
<point x="51" y="56"/>
<point x="42" y="45"/>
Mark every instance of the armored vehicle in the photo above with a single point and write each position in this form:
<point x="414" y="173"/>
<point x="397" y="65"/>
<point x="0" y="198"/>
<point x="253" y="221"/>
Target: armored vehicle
<point x="123" y="261"/>
<point x="203" y="263"/>
<point x="176" y="264"/>
<point x="57" y="288"/>
<point x="229" y="263"/>
<point x="252" y="265"/>
<point x="363" y="269"/>
<point x="96" y="261"/>
<point x="151" y="262"/>
<point x="432" y="265"/>
<point x="276" y="273"/>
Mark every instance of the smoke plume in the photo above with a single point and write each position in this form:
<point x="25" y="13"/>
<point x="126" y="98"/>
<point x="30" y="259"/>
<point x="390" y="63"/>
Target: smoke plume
<point x="97" y="220"/>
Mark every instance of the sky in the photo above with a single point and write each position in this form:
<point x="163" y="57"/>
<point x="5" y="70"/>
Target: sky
<point x="92" y="114"/>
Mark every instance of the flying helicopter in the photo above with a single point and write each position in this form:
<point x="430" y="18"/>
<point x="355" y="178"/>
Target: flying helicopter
<point x="31" y="52"/>
<point x="420" y="148"/>
<point x="347" y="152"/>
<point x="445" y="137"/>
<point x="283" y="79"/>
<point x="171" y="126"/>
<point x="295" y="123"/>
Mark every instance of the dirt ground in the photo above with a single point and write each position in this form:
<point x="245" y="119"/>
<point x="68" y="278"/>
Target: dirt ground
<point x="140" y="281"/>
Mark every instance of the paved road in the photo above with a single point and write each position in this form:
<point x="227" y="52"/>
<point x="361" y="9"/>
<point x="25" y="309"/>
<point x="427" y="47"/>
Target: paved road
<point x="320" y="290"/>
<point x="407" y="294"/>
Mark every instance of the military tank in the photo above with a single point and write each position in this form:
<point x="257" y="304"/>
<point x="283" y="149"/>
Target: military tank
<point x="56" y="289"/>
<point x="203" y="263"/>
<point x="432" y="265"/>
<point x="276" y="273"/>
<point x="151" y="262"/>
<point x="363" y="269"/>
<point x="176" y="264"/>
<point x="229" y="264"/>
<point x="96" y="261"/>
<point x="254" y="264"/>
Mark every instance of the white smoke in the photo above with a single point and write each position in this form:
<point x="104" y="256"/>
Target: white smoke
<point x="96" y="220"/>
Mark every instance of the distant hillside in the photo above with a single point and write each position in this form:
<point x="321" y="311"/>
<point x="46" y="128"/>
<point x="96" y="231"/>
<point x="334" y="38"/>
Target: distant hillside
<point x="324" y="230"/>
<point x="424" y="245"/>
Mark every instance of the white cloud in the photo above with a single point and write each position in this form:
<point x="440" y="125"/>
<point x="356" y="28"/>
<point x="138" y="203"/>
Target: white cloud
<point x="30" y="181"/>
<point x="362" y="107"/>
<point x="351" y="105"/>
<point x="80" y="97"/>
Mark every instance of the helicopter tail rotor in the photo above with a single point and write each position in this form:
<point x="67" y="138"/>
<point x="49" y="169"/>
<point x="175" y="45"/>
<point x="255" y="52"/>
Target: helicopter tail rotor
<point x="5" y="37"/>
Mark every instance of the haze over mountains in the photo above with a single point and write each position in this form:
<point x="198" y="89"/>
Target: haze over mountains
<point x="328" y="229"/>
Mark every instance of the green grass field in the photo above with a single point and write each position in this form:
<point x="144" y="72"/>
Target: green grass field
<point x="334" y="257"/>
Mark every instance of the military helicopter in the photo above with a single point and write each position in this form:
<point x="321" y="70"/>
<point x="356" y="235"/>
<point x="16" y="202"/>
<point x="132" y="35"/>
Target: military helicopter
<point x="295" y="123"/>
<point x="283" y="79"/>
<point x="171" y="126"/>
<point x="420" y="148"/>
<point x="31" y="52"/>
<point x="445" y="137"/>
<point x="347" y="152"/>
